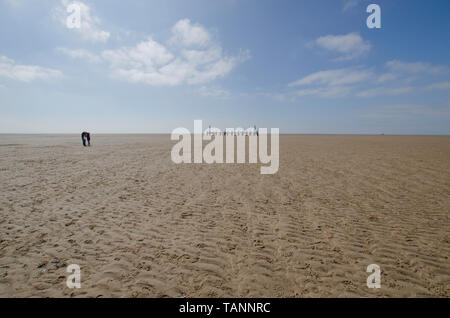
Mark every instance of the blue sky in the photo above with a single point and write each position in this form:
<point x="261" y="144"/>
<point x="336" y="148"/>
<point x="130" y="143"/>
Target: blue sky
<point x="152" y="66"/>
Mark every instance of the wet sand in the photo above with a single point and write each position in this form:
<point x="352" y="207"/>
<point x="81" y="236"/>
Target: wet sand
<point x="140" y="226"/>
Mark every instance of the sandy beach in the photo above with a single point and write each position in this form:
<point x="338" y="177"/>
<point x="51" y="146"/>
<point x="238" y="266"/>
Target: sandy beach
<point x="139" y="225"/>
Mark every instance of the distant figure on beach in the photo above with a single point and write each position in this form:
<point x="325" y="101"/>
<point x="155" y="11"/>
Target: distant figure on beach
<point x="85" y="136"/>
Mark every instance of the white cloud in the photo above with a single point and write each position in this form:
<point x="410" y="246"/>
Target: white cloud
<point x="25" y="73"/>
<point x="350" y="45"/>
<point x="194" y="60"/>
<point x="148" y="54"/>
<point x="190" y="34"/>
<point x="81" y="54"/>
<point x="90" y="24"/>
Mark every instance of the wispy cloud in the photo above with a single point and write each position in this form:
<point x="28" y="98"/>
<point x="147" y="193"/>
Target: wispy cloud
<point x="81" y="54"/>
<point x="416" y="67"/>
<point x="439" y="86"/>
<point x="90" y="28"/>
<point x="14" y="3"/>
<point x="215" y="92"/>
<point x="383" y="91"/>
<point x="349" y="4"/>
<point x="408" y="72"/>
<point x="337" y="77"/>
<point x="331" y="83"/>
<point x="334" y="83"/>
<point x="348" y="46"/>
<point x="395" y="78"/>
<point x="325" y="92"/>
<point x="25" y="73"/>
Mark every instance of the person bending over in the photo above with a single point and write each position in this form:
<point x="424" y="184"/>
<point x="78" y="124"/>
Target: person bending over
<point x="85" y="136"/>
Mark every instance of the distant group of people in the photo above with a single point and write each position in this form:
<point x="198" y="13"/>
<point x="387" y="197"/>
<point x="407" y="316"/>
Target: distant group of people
<point x="86" y="138"/>
<point x="232" y="132"/>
